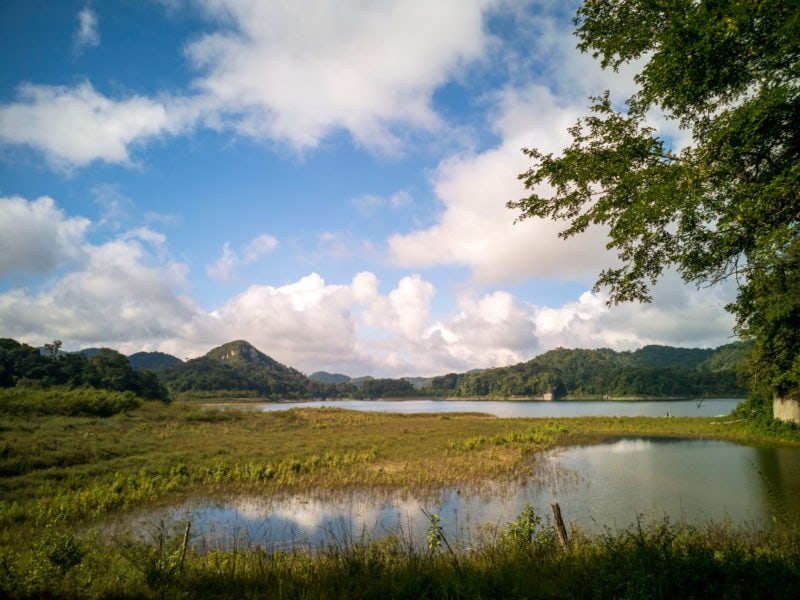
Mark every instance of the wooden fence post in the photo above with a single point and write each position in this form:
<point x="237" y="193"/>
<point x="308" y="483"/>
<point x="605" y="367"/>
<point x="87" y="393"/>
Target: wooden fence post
<point x="185" y="542"/>
<point x="562" y="531"/>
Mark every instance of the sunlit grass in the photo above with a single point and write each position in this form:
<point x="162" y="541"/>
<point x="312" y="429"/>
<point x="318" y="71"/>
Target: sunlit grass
<point x="78" y="467"/>
<point x="59" y="474"/>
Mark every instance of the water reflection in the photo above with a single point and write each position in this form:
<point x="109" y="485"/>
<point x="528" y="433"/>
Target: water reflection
<point x="779" y="471"/>
<point x="607" y="486"/>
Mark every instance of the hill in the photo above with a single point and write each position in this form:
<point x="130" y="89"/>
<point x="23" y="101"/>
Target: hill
<point x="152" y="360"/>
<point x="326" y="377"/>
<point x="652" y="371"/>
<point x="236" y="367"/>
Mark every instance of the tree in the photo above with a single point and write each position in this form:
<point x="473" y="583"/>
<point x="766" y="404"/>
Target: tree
<point x="724" y="206"/>
<point x="110" y="370"/>
<point x="54" y="348"/>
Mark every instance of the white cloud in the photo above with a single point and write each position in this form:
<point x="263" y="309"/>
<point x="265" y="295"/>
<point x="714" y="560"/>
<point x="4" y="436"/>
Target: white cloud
<point x="75" y="126"/>
<point x="87" y="35"/>
<point x="679" y="316"/>
<point x="224" y="268"/>
<point x="299" y="71"/>
<point x="36" y="236"/>
<point x="494" y="330"/>
<point x="120" y="297"/>
<point x="476" y="229"/>
<point x="368" y="204"/>
<point x="115" y="205"/>
<point x="292" y="323"/>
<point x="120" y="301"/>
<point x="259" y="246"/>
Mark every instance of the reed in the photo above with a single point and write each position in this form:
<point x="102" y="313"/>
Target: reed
<point x="60" y="473"/>
<point x="523" y="559"/>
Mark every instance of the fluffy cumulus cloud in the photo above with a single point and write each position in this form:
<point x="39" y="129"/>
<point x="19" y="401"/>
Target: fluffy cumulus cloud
<point x="547" y="90"/>
<point x="354" y="328"/>
<point x="74" y="126"/>
<point x="288" y="71"/>
<point x="37" y="237"/>
<point x="679" y="316"/>
<point x="292" y="323"/>
<point x="128" y="294"/>
<point x="477" y="230"/>
<point x="121" y="295"/>
<point x="297" y="71"/>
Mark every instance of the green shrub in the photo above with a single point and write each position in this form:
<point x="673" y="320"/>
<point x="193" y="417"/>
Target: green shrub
<point x="66" y="402"/>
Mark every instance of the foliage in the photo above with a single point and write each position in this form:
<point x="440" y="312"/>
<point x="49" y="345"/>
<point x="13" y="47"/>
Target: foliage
<point x="61" y="476"/>
<point x="724" y="206"/>
<point x="236" y="366"/>
<point x="385" y="388"/>
<point x="152" y="360"/>
<point x="652" y="371"/>
<point x="23" y="365"/>
<point x="71" y="402"/>
<point x="657" y="560"/>
<point x="62" y="550"/>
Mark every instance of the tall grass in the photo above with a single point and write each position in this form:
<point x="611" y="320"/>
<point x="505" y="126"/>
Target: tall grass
<point x="522" y="559"/>
<point x="62" y="471"/>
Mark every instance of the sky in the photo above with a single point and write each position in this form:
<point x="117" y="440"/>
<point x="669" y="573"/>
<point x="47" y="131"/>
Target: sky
<point x="326" y="180"/>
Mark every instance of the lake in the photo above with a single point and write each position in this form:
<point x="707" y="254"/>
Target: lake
<point x="521" y="408"/>
<point x="599" y="487"/>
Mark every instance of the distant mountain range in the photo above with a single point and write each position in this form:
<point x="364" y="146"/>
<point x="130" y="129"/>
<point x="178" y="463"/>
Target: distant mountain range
<point x="239" y="369"/>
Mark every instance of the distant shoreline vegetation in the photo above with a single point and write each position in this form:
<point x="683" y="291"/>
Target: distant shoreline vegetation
<point x="238" y="370"/>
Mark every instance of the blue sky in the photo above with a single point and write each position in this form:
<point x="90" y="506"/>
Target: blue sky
<point x="324" y="179"/>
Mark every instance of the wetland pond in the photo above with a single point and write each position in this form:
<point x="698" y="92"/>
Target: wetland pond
<point x="604" y="487"/>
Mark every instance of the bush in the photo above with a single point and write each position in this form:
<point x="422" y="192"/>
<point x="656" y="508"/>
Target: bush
<point x="66" y="402"/>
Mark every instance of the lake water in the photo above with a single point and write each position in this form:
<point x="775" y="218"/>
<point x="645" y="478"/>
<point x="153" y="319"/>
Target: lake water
<point x="599" y="487"/>
<point x="520" y="408"/>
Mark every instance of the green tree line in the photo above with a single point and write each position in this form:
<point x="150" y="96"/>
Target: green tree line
<point x="24" y="366"/>
<point x="656" y="371"/>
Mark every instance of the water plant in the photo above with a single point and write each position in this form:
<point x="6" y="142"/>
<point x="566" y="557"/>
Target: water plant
<point x="62" y="476"/>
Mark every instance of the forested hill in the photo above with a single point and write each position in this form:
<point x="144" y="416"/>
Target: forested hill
<point x="653" y="371"/>
<point x="239" y="369"/>
<point x="236" y="367"/>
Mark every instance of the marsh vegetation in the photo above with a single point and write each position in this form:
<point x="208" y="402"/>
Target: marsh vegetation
<point x="66" y="476"/>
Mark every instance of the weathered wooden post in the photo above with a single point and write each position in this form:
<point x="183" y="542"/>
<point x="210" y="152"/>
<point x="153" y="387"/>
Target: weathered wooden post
<point x="185" y="542"/>
<point x="562" y="531"/>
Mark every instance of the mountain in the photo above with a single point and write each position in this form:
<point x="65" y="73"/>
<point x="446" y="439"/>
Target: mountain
<point x="152" y="360"/>
<point x="326" y="377"/>
<point x="89" y="352"/>
<point x="652" y="371"/>
<point x="243" y="353"/>
<point x="236" y="367"/>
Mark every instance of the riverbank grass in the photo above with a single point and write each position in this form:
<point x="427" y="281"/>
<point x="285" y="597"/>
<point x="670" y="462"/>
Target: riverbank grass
<point x="62" y="473"/>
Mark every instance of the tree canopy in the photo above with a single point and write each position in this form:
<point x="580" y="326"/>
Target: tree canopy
<point x="723" y="206"/>
<point x="26" y="366"/>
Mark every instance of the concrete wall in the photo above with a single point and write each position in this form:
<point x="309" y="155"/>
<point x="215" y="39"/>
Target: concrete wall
<point x="786" y="409"/>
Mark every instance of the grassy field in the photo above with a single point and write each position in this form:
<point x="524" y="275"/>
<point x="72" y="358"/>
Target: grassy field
<point x="60" y="473"/>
